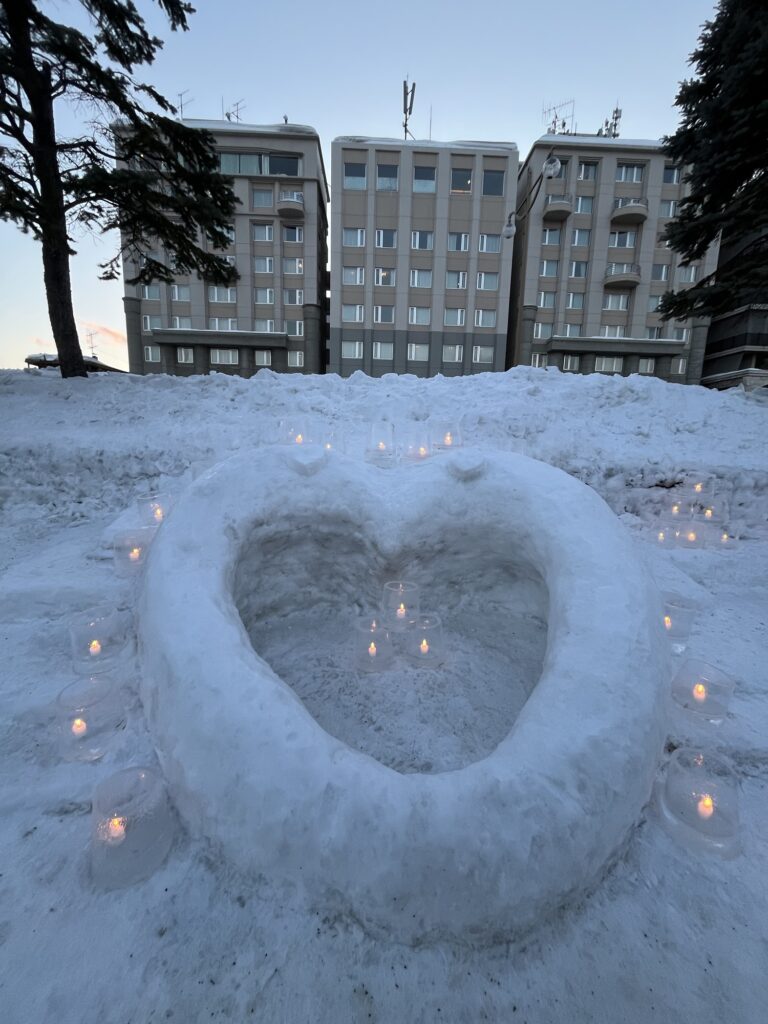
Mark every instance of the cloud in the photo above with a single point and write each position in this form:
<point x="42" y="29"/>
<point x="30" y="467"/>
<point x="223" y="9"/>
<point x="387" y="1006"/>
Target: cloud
<point x="103" y="333"/>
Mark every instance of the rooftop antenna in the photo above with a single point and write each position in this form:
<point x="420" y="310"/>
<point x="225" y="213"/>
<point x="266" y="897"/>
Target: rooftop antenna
<point x="182" y="100"/>
<point x="285" y="119"/>
<point x="90" y="335"/>
<point x="237" y="106"/>
<point x="430" y="122"/>
<point x="408" y="95"/>
<point x="610" y="127"/>
<point x="559" y="117"/>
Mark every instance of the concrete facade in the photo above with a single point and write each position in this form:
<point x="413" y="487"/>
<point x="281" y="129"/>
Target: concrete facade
<point x="589" y="264"/>
<point x="276" y="314"/>
<point x="420" y="272"/>
<point x="737" y="349"/>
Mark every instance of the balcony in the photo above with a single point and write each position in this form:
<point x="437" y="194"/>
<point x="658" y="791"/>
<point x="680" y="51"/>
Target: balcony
<point x="290" y="205"/>
<point x="622" y="275"/>
<point x="629" y="210"/>
<point x="557" y="207"/>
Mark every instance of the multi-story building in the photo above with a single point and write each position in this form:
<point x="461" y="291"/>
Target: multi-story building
<point x="737" y="349"/>
<point x="591" y="266"/>
<point x="420" y="271"/>
<point x="276" y="313"/>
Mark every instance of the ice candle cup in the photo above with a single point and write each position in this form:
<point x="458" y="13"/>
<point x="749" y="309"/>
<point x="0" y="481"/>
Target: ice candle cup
<point x="416" y="444"/>
<point x="380" y="448"/>
<point x="154" y="509"/>
<point x="130" y="549"/>
<point x="372" y="645"/>
<point x="446" y="436"/>
<point x="399" y="604"/>
<point x="678" y="618"/>
<point x="99" y="638"/>
<point x="424" y="643"/>
<point x="89" y="713"/>
<point x="703" y="690"/>
<point x="699" y="801"/>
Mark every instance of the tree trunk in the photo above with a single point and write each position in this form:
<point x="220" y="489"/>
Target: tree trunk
<point x="36" y="82"/>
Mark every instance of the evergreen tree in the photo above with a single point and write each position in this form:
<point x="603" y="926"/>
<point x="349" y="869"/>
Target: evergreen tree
<point x="722" y="142"/>
<point x="167" y="185"/>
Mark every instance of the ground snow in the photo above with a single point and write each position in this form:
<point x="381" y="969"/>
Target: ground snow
<point x="666" y="935"/>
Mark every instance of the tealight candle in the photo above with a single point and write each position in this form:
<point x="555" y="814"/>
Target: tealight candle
<point x="706" y="806"/>
<point x="703" y="690"/>
<point x="380" y="449"/>
<point x="416" y="444"/>
<point x="372" y="647"/>
<point x="79" y="727"/>
<point x="446" y="435"/>
<point x="99" y="637"/>
<point x="90" y="712"/>
<point x="130" y="549"/>
<point x="94" y="648"/>
<point x="698" y="802"/>
<point x="399" y="603"/>
<point x="154" y="509"/>
<point x="424" y="641"/>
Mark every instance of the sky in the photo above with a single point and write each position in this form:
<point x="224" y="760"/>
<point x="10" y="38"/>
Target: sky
<point x="481" y="73"/>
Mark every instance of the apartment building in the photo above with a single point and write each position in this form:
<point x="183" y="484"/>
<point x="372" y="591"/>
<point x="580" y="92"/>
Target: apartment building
<point x="420" y="271"/>
<point x="276" y="313"/>
<point x="591" y="267"/>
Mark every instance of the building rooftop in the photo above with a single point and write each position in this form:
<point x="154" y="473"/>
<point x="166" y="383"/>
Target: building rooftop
<point x="365" y="140"/>
<point x="241" y="128"/>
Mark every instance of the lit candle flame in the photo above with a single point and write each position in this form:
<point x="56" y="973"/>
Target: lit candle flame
<point x="381" y="446"/>
<point x="691" y="536"/>
<point x="158" y="514"/>
<point x="116" y="830"/>
<point x="706" y="806"/>
<point x="422" y="451"/>
<point x="328" y="446"/>
<point x="134" y="554"/>
<point x="79" y="727"/>
<point x="662" y="535"/>
<point x="698" y="488"/>
<point x="699" y="692"/>
<point x="675" y="509"/>
<point x="94" y="647"/>
<point x="724" y="538"/>
<point x="667" y="622"/>
<point x="448" y="440"/>
<point x="708" y="513"/>
<point x="299" y="439"/>
<point x="424" y="646"/>
<point x="372" y="649"/>
<point x="401" y="611"/>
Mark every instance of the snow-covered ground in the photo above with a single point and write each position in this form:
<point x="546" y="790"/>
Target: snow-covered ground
<point x="667" y="934"/>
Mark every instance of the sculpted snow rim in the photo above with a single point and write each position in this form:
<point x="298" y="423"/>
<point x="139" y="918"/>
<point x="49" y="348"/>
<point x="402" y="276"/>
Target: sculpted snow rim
<point x="481" y="853"/>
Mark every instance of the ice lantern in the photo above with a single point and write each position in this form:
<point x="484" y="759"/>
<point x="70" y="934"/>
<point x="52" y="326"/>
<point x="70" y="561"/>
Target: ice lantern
<point x="399" y="604"/>
<point x="703" y="689"/>
<point x="99" y="638"/>
<point x="424" y="644"/>
<point x="372" y="646"/>
<point x="90" y="712"/>
<point x="699" y="801"/>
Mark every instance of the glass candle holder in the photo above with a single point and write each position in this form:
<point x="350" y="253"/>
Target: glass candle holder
<point x="154" y="509"/>
<point x="373" y="650"/>
<point x="132" y="827"/>
<point x="130" y="549"/>
<point x="726" y="538"/>
<point x="100" y="638"/>
<point x="399" y="604"/>
<point x="380" y="449"/>
<point x="699" y="800"/>
<point x="667" y="532"/>
<point x="446" y="436"/>
<point x="679" y="510"/>
<point x="416" y="445"/>
<point x="699" y="488"/>
<point x="703" y="689"/>
<point x="693" y="535"/>
<point x="679" y="616"/>
<point x="424" y="643"/>
<point x="89" y="712"/>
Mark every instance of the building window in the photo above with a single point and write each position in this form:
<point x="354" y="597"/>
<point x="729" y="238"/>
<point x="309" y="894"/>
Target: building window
<point x="222" y="323"/>
<point x="679" y="364"/>
<point x="539" y="359"/>
<point x="224" y="357"/>
<point x="618" y="301"/>
<point x="542" y="331"/>
<point x="263" y="264"/>
<point x="263" y="296"/>
<point x="422" y="239"/>
<point x="621" y="268"/>
<point x="386" y="177"/>
<point x="293" y="234"/>
<point x="295" y="359"/>
<point x="653" y="333"/>
<point x="682" y="334"/>
<point x="151" y="353"/>
<point x="386" y="238"/>
<point x="572" y="331"/>
<point x="456" y="279"/>
<point x="671" y="175"/>
<point x="571" y="363"/>
<point x="461" y="180"/>
<point x="550" y="236"/>
<point x="653" y="303"/>
<point x="548" y="268"/>
<point x="353" y="237"/>
<point x="353" y="275"/>
<point x="575" y="300"/>
<point x="546" y="300"/>
<point x="609" y="364"/>
<point x="493" y="183"/>
<point x="458" y="242"/>
<point x="260" y="163"/>
<point x="660" y="272"/>
<point x="688" y="274"/>
<point x="580" y="236"/>
<point x="490" y="243"/>
<point x="263" y="325"/>
<point x="219" y="293"/>
<point x="384" y="277"/>
<point x="563" y="172"/>
<point x="454" y="317"/>
<point x="418" y="353"/>
<point x="421" y="278"/>
<point x="150" y="323"/>
<point x="352" y="314"/>
<point x="293" y="265"/>
<point x="662" y="242"/>
<point x="482" y="353"/>
<point x="262" y="357"/>
<point x="383" y="314"/>
<point x="587" y="171"/>
<point x="424" y="179"/>
<point x="622" y="239"/>
<point x="150" y="292"/>
<point x="181" y="323"/>
<point x="453" y="353"/>
<point x="584" y="204"/>
<point x="578" y="268"/>
<point x="646" y="365"/>
<point x="180" y="293"/>
<point x="487" y="282"/>
<point x="294" y="328"/>
<point x="185" y="355"/>
<point x="629" y="172"/>
<point x="354" y="175"/>
<point x="611" y="331"/>
<point x="383" y="350"/>
<point x="263" y="233"/>
<point x="485" y="318"/>
<point x="261" y="197"/>
<point x="293" y="296"/>
<point x="351" y="350"/>
<point x="420" y="315"/>
<point x="668" y="208"/>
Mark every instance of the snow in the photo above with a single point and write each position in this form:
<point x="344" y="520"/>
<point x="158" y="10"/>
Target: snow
<point x="663" y="934"/>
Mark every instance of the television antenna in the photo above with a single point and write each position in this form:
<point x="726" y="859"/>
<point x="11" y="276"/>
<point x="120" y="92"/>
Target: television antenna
<point x="90" y="335"/>
<point x="559" y="117"/>
<point x="182" y="100"/>
<point x="233" y="114"/>
<point x="610" y="126"/>
<point x="408" y="96"/>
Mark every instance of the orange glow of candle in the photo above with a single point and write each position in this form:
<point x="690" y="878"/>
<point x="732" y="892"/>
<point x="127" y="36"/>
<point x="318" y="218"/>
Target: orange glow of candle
<point x="698" y="488"/>
<point x="424" y="646"/>
<point x="699" y="692"/>
<point x="94" y="647"/>
<point x="116" y="830"/>
<point x="299" y="439"/>
<point x="448" y="440"/>
<point x="422" y="451"/>
<point x="372" y="649"/>
<point x="401" y="611"/>
<point x="381" y="446"/>
<point x="675" y="510"/>
<point x="724" y="538"/>
<point x="662" y="535"/>
<point x="667" y="622"/>
<point x="79" y="727"/>
<point x="158" y="513"/>
<point x="707" y="513"/>
<point x="690" y="536"/>
<point x="706" y="806"/>
<point x="134" y="554"/>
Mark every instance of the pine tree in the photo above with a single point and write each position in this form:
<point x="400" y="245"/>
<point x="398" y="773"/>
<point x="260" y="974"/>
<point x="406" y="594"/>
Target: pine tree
<point x="722" y="142"/>
<point x="167" y="185"/>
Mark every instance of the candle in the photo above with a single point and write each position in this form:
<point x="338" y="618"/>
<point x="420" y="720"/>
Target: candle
<point x="79" y="727"/>
<point x="158" y="514"/>
<point x="422" y="451"/>
<point x="675" y="510"/>
<point x="724" y="538"/>
<point x="382" y="446"/>
<point x="299" y="439"/>
<point x="706" y="806"/>
<point x="699" y="692"/>
<point x="401" y="611"/>
<point x="708" y="513"/>
<point x="134" y="554"/>
<point x="690" y="536"/>
<point x="667" y="622"/>
<point x="448" y="440"/>
<point x="94" y="647"/>
<point x="372" y="649"/>
<point x="661" y="535"/>
<point x="424" y="646"/>
<point x="115" y="831"/>
<point x="698" y="488"/>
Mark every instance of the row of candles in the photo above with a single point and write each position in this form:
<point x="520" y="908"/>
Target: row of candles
<point x="412" y="442"/>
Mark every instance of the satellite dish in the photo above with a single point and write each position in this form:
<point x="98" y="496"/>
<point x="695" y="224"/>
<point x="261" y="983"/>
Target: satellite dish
<point x="551" y="167"/>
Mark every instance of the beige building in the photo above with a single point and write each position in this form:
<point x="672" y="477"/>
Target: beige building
<point x="420" y="271"/>
<point x="590" y="267"/>
<point x="276" y="314"/>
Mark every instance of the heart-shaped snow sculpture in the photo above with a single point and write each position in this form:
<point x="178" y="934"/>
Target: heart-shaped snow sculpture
<point x="479" y="853"/>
